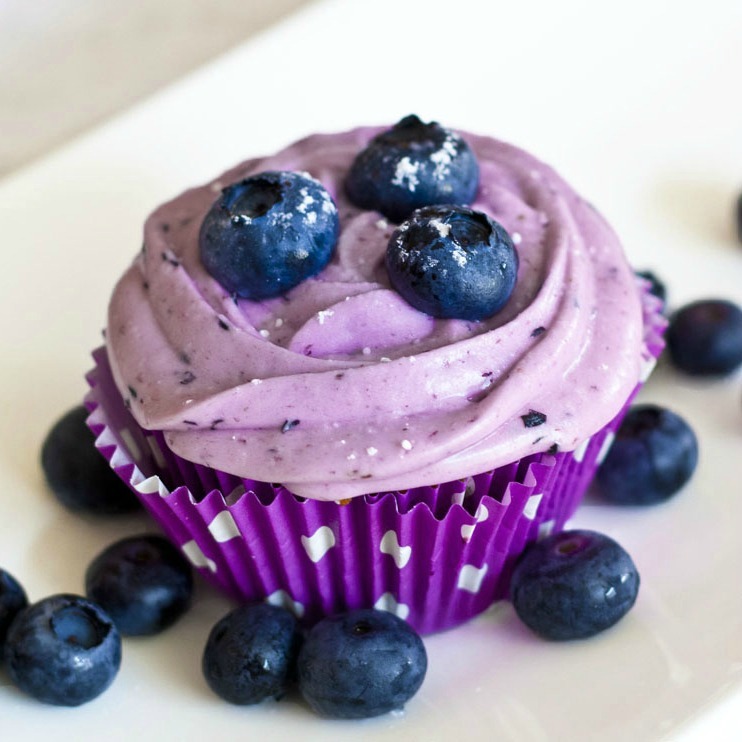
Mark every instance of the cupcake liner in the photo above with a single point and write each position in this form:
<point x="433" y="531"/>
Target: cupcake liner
<point x="435" y="556"/>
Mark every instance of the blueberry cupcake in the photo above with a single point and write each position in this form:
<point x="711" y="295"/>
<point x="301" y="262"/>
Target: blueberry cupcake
<point x="370" y="369"/>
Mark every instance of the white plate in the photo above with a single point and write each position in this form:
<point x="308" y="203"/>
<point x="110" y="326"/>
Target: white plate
<point x="641" y="110"/>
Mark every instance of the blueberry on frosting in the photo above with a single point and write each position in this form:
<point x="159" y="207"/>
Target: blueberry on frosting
<point x="267" y="233"/>
<point x="451" y="262"/>
<point x="411" y="165"/>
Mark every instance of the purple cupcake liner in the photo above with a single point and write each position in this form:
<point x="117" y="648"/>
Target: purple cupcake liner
<point x="436" y="556"/>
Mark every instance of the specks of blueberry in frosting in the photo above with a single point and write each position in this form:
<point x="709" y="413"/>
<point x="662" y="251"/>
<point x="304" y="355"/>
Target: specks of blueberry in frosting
<point x="187" y="377"/>
<point x="169" y="257"/>
<point x="289" y="425"/>
<point x="533" y="418"/>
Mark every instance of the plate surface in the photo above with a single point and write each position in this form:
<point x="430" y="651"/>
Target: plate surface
<point x="641" y="111"/>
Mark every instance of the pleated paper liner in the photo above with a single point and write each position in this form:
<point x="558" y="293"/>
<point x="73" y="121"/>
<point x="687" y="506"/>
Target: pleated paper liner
<point x="436" y="556"/>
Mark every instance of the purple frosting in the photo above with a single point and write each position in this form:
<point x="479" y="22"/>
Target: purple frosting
<point x="339" y="388"/>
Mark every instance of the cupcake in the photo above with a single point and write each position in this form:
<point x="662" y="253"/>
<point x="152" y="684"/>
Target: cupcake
<point x="368" y="370"/>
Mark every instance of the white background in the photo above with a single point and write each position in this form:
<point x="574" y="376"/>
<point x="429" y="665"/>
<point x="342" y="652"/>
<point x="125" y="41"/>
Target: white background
<point x="638" y="104"/>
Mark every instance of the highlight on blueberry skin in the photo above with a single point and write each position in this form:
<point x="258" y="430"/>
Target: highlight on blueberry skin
<point x="143" y="582"/>
<point x="63" y="650"/>
<point x="653" y="456"/>
<point x="412" y="165"/>
<point x="78" y="474"/>
<point x="13" y="599"/>
<point x="250" y="655"/>
<point x="267" y="233"/>
<point x="361" y="664"/>
<point x="452" y="263"/>
<point x="705" y="338"/>
<point x="573" y="585"/>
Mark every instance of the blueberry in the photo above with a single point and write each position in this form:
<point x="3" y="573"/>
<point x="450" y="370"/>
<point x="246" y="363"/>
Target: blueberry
<point x="78" y="474"/>
<point x="452" y="262"/>
<point x="250" y="655"/>
<point x="12" y="600"/>
<point x="654" y="454"/>
<point x="267" y="233"/>
<point x="63" y="650"/>
<point x="705" y="338"/>
<point x="361" y="664"/>
<point x="573" y="585"/>
<point x="143" y="582"/>
<point x="657" y="286"/>
<point x="413" y="165"/>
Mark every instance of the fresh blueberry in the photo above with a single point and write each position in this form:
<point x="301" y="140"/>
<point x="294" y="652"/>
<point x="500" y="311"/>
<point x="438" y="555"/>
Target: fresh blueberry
<point x="654" y="454"/>
<point x="267" y="233"/>
<point x="413" y="165"/>
<point x="361" y="664"/>
<point x="452" y="262"/>
<point x="250" y="655"/>
<point x="573" y="585"/>
<point x="705" y="338"/>
<point x="63" y="650"/>
<point x="657" y="286"/>
<point x="12" y="600"/>
<point x="143" y="582"/>
<point x="78" y="474"/>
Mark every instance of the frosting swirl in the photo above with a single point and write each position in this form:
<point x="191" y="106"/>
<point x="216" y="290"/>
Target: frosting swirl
<point x="340" y="388"/>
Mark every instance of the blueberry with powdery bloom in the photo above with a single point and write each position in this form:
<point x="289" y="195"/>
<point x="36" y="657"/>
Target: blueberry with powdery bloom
<point x="64" y="650"/>
<point x="266" y="234"/>
<point x="143" y="582"/>
<point x="250" y="655"/>
<point x="78" y="474"/>
<point x="653" y="456"/>
<point x="412" y="165"/>
<point x="361" y="664"/>
<point x="705" y="338"/>
<point x="452" y="262"/>
<point x="573" y="585"/>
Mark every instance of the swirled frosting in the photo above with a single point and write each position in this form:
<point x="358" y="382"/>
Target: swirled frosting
<point x="339" y="388"/>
